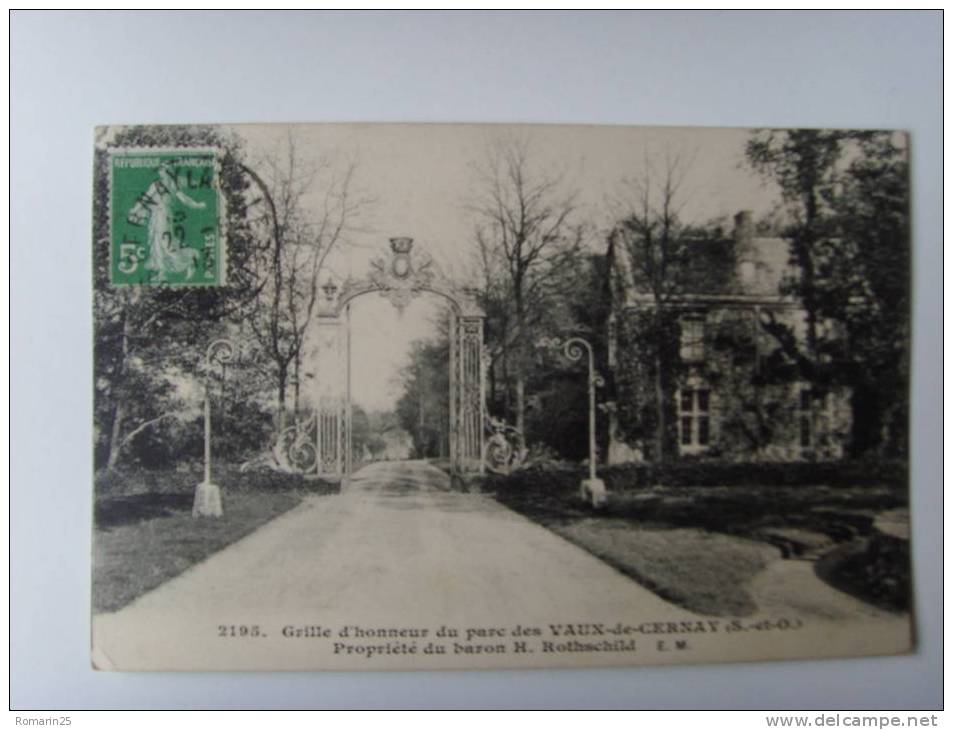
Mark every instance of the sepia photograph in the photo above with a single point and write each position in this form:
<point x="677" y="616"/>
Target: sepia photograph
<point x="470" y="396"/>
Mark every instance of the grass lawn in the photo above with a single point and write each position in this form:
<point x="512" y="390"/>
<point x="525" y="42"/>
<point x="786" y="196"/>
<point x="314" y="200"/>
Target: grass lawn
<point x="699" y="547"/>
<point x="440" y="463"/>
<point x="705" y="572"/>
<point x="145" y="533"/>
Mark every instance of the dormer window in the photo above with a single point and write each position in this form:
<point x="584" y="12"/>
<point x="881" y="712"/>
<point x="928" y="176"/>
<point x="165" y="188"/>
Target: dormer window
<point x="693" y="339"/>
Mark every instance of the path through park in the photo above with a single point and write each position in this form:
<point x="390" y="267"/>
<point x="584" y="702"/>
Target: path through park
<point x="397" y="551"/>
<point x="395" y="548"/>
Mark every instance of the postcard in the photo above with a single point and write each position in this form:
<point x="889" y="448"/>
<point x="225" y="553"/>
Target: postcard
<point x="409" y="396"/>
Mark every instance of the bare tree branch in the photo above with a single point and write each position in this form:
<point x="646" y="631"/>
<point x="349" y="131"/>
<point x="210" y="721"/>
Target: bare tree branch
<point x="524" y="240"/>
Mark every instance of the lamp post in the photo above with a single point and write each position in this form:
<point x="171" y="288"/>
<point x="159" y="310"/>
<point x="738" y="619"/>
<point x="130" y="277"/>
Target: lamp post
<point x="208" y="496"/>
<point x="592" y="489"/>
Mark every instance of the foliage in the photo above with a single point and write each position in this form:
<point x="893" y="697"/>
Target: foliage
<point x="558" y="417"/>
<point x="137" y="480"/>
<point x="651" y="254"/>
<point x="876" y="569"/>
<point x="149" y="340"/>
<point x="528" y="247"/>
<point x="168" y="442"/>
<point x="709" y="473"/>
<point x="144" y="336"/>
<point x="847" y="207"/>
<point x="295" y="237"/>
<point x="365" y="433"/>
<point x="803" y="162"/>
<point x="241" y="429"/>
<point x="756" y="391"/>
<point x="868" y="290"/>
<point x="642" y="364"/>
<point x="423" y="409"/>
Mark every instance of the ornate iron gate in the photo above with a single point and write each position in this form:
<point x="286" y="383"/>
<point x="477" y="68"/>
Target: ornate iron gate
<point x="399" y="276"/>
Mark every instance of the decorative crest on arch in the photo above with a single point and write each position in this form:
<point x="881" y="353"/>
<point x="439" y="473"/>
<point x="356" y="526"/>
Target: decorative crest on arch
<point x="399" y="277"/>
<point x="404" y="276"/>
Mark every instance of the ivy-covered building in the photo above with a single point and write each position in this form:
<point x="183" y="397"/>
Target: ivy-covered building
<point x="707" y="351"/>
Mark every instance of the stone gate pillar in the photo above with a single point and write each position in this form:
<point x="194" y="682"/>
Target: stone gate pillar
<point x="331" y="394"/>
<point x="468" y="406"/>
<point x="454" y="395"/>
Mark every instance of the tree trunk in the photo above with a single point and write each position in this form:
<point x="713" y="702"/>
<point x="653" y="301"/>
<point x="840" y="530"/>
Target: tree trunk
<point x="282" y="399"/>
<point x="297" y="388"/>
<point x="492" y="384"/>
<point x="507" y="396"/>
<point x="115" y="435"/>
<point x="521" y="408"/>
<point x="422" y="449"/>
<point x="119" y="413"/>
<point x="659" y="409"/>
<point x="520" y="365"/>
<point x="810" y="302"/>
<point x="659" y="386"/>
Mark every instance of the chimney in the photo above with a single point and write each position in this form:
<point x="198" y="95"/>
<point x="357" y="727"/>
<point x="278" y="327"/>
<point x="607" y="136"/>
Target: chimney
<point x="745" y="260"/>
<point x="744" y="229"/>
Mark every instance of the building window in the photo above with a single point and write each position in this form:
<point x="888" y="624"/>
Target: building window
<point x="816" y="418"/>
<point x="693" y="339"/>
<point x="694" y="420"/>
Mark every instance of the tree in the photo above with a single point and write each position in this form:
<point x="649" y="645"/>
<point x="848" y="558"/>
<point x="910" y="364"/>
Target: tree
<point x="803" y="162"/>
<point x="526" y="242"/>
<point x="865" y="285"/>
<point x="423" y="409"/>
<point x="361" y="435"/>
<point x="655" y="262"/>
<point x="145" y="334"/>
<point x="297" y="241"/>
<point x="847" y="206"/>
<point x="492" y="290"/>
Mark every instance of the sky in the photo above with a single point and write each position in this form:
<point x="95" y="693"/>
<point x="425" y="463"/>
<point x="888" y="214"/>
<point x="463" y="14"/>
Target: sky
<point x="418" y="180"/>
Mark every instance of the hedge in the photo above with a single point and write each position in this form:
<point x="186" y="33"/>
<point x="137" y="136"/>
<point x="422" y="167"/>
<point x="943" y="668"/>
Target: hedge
<point x="703" y="473"/>
<point x="168" y="481"/>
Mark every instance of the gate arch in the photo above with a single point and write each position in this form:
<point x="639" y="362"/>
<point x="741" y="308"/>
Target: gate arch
<point x="400" y="275"/>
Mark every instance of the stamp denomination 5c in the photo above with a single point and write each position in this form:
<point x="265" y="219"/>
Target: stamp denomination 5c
<point x="165" y="217"/>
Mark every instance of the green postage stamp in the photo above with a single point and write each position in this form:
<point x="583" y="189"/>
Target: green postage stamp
<point x="165" y="214"/>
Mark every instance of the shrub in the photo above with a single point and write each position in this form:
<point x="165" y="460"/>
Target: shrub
<point x="564" y="479"/>
<point x="704" y="473"/>
<point x="167" y="442"/>
<point x="138" y="480"/>
<point x="876" y="569"/>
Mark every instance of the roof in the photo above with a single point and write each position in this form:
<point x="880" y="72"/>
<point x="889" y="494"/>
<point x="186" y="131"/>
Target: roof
<point x="733" y="266"/>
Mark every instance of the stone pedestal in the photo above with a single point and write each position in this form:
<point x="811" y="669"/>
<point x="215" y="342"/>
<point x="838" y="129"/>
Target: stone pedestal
<point x="593" y="491"/>
<point x="208" y="501"/>
<point x="469" y="483"/>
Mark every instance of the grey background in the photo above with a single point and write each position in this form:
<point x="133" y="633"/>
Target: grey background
<point x="71" y="71"/>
